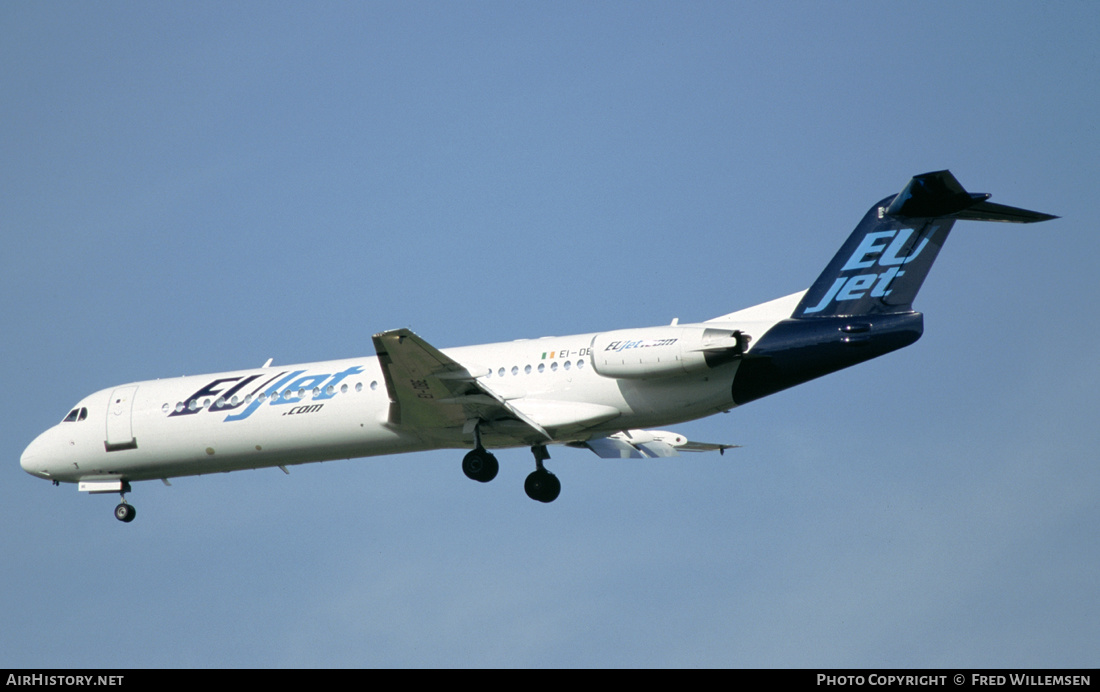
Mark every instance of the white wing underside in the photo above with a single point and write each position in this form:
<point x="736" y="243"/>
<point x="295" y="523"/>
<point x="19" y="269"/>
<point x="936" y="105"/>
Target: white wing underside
<point x="643" y="444"/>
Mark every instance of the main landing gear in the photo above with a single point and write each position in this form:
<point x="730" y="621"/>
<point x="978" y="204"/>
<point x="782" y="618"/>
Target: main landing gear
<point x="542" y="485"/>
<point x="482" y="466"/>
<point x="479" y="465"/>
<point x="125" y="511"/>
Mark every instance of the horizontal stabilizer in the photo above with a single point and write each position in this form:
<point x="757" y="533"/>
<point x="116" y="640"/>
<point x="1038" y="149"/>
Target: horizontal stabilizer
<point x="988" y="211"/>
<point x="932" y="195"/>
<point x="940" y="195"/>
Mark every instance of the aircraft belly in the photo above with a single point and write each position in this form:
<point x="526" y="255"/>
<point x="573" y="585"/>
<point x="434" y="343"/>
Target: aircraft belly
<point x="210" y="450"/>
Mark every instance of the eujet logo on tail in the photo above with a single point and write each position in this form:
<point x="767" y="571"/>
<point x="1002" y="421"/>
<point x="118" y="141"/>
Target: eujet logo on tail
<point x="283" y="388"/>
<point x="882" y="248"/>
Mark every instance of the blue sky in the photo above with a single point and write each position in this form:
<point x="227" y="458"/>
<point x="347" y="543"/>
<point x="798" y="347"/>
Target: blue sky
<point x="190" y="188"/>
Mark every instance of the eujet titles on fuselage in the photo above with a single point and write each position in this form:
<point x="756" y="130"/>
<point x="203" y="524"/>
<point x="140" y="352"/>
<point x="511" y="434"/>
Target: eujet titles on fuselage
<point x="599" y="391"/>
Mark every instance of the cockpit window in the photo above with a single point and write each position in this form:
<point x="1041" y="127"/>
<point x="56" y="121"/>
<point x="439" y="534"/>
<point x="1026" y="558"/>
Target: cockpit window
<point x="77" y="414"/>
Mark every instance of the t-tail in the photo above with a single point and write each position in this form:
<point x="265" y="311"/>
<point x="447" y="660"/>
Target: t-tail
<point x="862" y="304"/>
<point x="884" y="262"/>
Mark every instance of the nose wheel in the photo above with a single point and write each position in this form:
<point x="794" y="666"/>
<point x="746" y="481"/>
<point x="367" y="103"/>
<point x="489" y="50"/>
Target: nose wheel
<point x="125" y="511"/>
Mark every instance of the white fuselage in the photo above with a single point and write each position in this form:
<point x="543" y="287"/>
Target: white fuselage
<point x="281" y="415"/>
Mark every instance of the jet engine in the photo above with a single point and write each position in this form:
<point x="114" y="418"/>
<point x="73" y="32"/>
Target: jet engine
<point x="664" y="351"/>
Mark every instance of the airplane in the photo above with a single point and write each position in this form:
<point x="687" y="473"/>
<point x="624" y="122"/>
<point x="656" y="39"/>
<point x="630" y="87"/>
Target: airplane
<point x="603" y="391"/>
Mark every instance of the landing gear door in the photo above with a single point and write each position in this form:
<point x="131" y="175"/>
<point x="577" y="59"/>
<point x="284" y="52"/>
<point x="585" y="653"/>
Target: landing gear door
<point x="120" y="432"/>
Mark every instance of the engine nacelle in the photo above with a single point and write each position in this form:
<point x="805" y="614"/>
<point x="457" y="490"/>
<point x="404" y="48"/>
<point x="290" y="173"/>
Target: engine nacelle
<point x="664" y="351"/>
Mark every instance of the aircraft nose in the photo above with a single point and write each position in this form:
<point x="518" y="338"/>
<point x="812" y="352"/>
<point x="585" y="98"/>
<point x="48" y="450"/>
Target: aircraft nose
<point x="33" y="460"/>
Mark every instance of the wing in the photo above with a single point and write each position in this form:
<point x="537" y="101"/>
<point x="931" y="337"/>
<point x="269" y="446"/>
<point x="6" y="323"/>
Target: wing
<point x="427" y="389"/>
<point x="431" y="391"/>
<point x="641" y="444"/>
<point x="437" y="396"/>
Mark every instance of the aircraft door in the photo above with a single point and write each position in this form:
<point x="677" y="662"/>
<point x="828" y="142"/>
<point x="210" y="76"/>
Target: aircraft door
<point x="120" y="432"/>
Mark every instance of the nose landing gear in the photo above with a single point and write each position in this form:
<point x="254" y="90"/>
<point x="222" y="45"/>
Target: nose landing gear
<point x="125" y="512"/>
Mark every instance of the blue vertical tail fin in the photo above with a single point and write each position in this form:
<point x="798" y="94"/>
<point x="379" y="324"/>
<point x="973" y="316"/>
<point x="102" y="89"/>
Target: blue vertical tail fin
<point x="882" y="265"/>
<point x="861" y="306"/>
